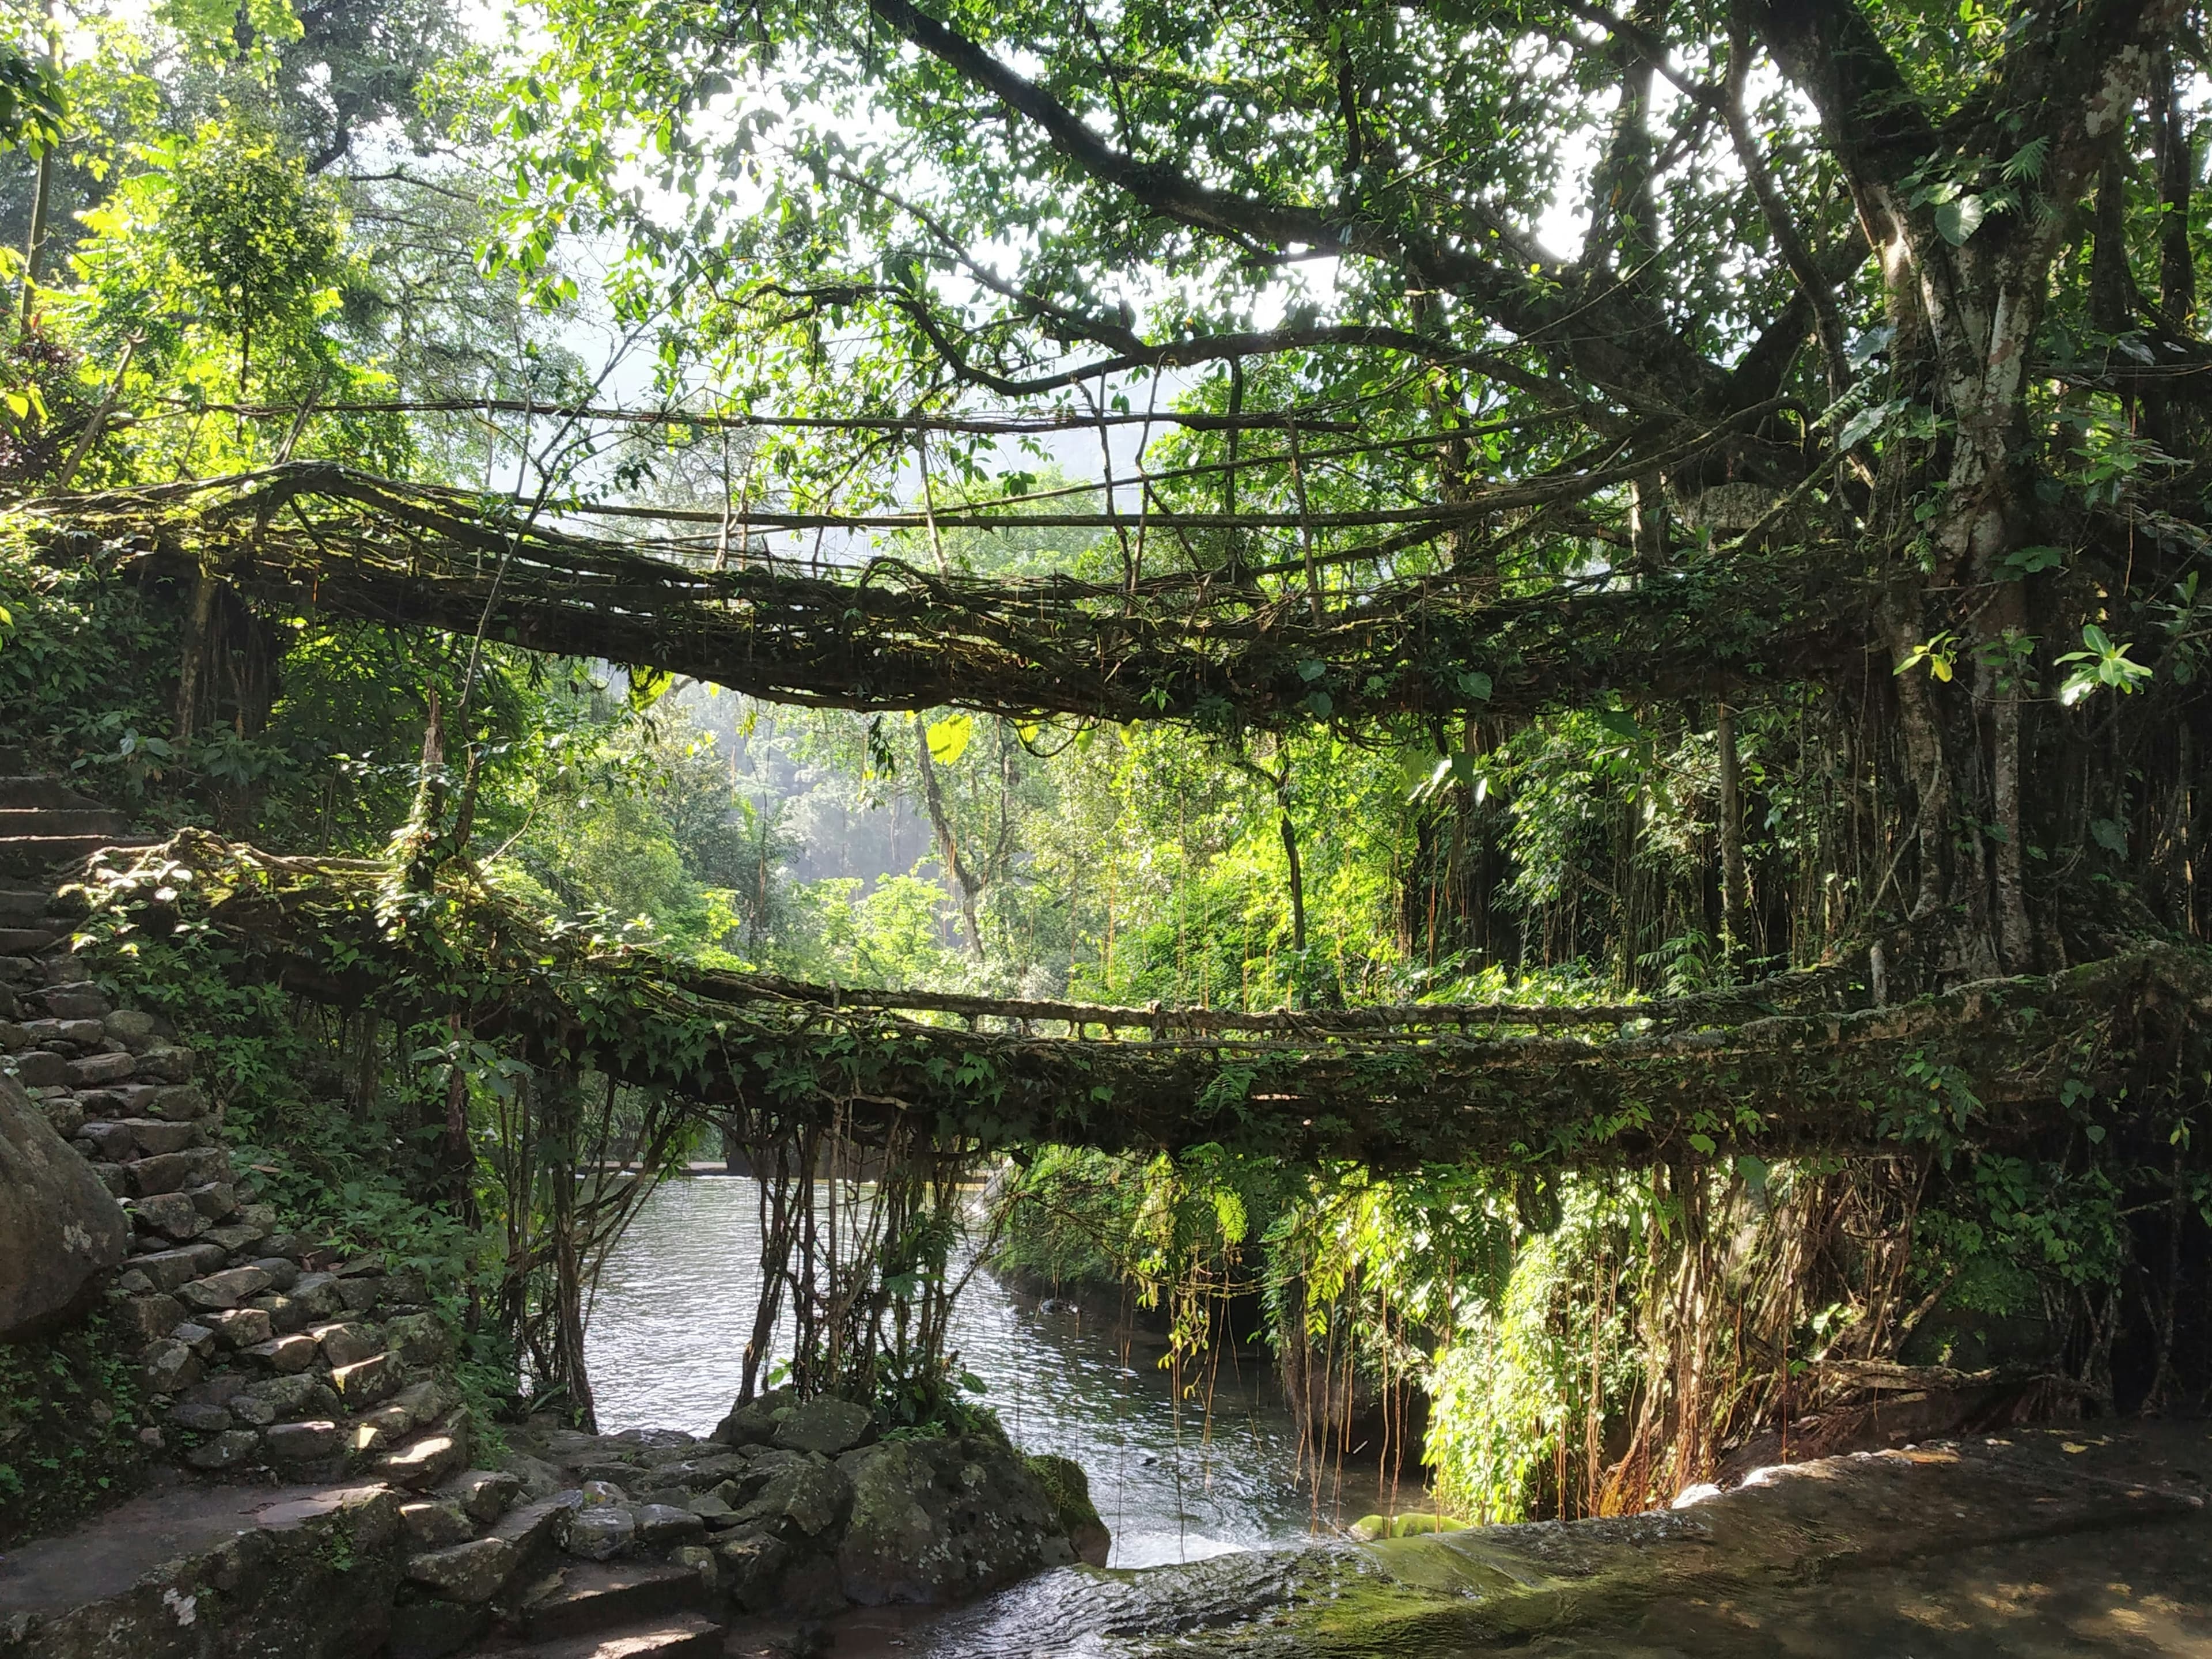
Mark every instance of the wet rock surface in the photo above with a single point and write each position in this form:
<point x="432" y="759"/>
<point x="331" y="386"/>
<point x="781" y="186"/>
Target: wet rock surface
<point x="2037" y="1543"/>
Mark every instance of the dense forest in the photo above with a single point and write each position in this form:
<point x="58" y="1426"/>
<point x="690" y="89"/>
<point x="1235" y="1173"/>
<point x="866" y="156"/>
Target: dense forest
<point x="1299" y="506"/>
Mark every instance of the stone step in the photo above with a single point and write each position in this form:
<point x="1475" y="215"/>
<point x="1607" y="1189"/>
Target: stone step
<point x="31" y="789"/>
<point x="40" y="856"/>
<point x="28" y="941"/>
<point x="22" y="906"/>
<point x="597" y="1596"/>
<point x="87" y="820"/>
<point x="680" y="1636"/>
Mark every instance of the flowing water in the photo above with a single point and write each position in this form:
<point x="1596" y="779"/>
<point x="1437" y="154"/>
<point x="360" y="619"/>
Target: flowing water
<point x="1219" y="1551"/>
<point x="1176" y="1479"/>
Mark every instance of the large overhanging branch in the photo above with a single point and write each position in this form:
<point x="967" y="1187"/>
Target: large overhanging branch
<point x="888" y="636"/>
<point x="1609" y="333"/>
<point x="1664" y="1081"/>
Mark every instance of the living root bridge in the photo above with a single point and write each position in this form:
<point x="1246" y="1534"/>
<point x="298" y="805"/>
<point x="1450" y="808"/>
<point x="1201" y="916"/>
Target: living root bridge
<point x="1781" y="1069"/>
<point x="314" y="536"/>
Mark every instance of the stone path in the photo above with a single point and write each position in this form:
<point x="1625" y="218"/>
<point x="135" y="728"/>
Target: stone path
<point x="173" y="1517"/>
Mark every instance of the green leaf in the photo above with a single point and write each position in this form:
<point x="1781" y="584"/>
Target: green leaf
<point x="2028" y="561"/>
<point x="1957" y="222"/>
<point x="647" y="686"/>
<point x="948" y="738"/>
<point x="2110" y="835"/>
<point x="1475" y="684"/>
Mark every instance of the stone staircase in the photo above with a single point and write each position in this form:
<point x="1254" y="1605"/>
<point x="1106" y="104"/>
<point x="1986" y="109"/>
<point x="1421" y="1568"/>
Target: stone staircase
<point x="47" y="828"/>
<point x="276" y="1359"/>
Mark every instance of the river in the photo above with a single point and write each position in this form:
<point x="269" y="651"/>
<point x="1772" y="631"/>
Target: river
<point x="1176" y="1480"/>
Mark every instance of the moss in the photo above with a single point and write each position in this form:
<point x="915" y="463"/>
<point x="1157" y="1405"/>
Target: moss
<point x="1068" y="1490"/>
<point x="70" y="1414"/>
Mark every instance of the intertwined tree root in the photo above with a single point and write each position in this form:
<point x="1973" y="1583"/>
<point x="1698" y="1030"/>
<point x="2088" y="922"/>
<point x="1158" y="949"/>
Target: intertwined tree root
<point x="1795" y="1065"/>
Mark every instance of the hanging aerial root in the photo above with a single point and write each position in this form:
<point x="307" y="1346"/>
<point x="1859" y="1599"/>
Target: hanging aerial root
<point x="1709" y="1077"/>
<point x="1190" y="645"/>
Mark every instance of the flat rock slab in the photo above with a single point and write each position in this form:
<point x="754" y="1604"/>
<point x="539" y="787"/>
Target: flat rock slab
<point x="2031" y="1545"/>
<point x="110" y="1553"/>
<point x="684" y="1635"/>
<point x="600" y="1596"/>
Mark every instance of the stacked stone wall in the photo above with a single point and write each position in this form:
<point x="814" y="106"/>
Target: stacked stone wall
<point x="260" y="1353"/>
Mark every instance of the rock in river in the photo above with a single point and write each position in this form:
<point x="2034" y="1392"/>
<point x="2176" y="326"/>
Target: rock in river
<point x="944" y="1519"/>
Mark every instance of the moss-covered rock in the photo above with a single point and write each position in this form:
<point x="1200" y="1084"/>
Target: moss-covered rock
<point x="938" y="1520"/>
<point x="1068" y="1488"/>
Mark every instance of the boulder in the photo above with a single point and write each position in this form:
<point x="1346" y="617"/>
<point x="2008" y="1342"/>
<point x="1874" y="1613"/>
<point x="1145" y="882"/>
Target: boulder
<point x="217" y="1201"/>
<point x="60" y="1230"/>
<point x="753" y="1422"/>
<point x="600" y="1532"/>
<point x="318" y="1294"/>
<point x="752" y="1562"/>
<point x="283" y="1273"/>
<point x="485" y="1495"/>
<point x="467" y="1572"/>
<point x="699" y="1474"/>
<point x="658" y="1524"/>
<point x="170" y="1269"/>
<point x="424" y="1403"/>
<point x="286" y="1317"/>
<point x="178" y="1104"/>
<point x="385" y="1426"/>
<point x="433" y="1526"/>
<point x="701" y="1561"/>
<point x="96" y="1069"/>
<point x="824" y="1425"/>
<point x="1067" y="1489"/>
<point x="943" y="1520"/>
<point x="808" y="1497"/>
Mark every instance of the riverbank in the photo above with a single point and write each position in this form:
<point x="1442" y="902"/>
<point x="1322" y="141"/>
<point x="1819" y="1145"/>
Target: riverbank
<point x="2034" y="1544"/>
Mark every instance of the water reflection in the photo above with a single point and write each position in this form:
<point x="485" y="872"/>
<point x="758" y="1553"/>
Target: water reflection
<point x="1176" y="1479"/>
